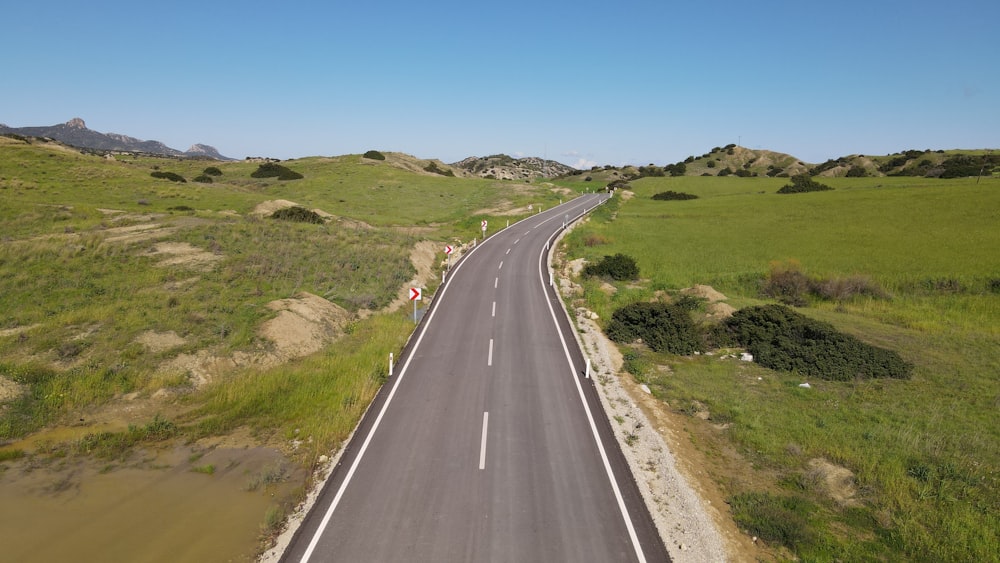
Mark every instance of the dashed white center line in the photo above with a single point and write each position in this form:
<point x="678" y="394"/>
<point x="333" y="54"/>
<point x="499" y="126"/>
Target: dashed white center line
<point x="489" y="359"/>
<point x="494" y="308"/>
<point x="496" y="282"/>
<point x="501" y="265"/>
<point x="517" y="241"/>
<point x="508" y="251"/>
<point x="482" y="447"/>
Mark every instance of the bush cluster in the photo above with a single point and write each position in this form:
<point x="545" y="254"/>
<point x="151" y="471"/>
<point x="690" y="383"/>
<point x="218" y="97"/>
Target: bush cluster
<point x="274" y="170"/>
<point x="661" y="326"/>
<point x="374" y="155"/>
<point x="802" y="183"/>
<point x="786" y="283"/>
<point x="203" y="179"/>
<point x="433" y="168"/>
<point x="298" y="214"/>
<point x="619" y="267"/>
<point x="212" y="171"/>
<point x="782" y="339"/>
<point x="168" y="176"/>
<point x="672" y="195"/>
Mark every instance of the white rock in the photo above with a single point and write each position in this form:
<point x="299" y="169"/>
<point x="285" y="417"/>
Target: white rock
<point x="805" y="385"/>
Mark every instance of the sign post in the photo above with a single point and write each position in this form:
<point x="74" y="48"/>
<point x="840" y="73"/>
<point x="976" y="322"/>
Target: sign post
<point x="415" y="296"/>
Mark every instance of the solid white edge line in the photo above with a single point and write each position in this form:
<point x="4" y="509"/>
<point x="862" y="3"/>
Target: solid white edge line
<point x="482" y="447"/>
<point x="378" y="420"/>
<point x="590" y="418"/>
<point x="385" y="406"/>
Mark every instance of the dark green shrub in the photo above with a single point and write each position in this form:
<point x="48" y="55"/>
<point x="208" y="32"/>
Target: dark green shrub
<point x="993" y="285"/>
<point x="672" y="195"/>
<point x="168" y="176"/>
<point x="274" y="170"/>
<point x="690" y="302"/>
<point x="802" y="183"/>
<point x="725" y="171"/>
<point x="374" y="155"/>
<point x="298" y="215"/>
<point x="662" y="327"/>
<point x="618" y="267"/>
<point x="857" y="171"/>
<point x="212" y="171"/>
<point x="203" y="179"/>
<point x="782" y="339"/>
<point x="433" y="168"/>
<point x="710" y="164"/>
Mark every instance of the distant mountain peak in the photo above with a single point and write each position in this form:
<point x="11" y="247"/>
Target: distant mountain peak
<point x="75" y="133"/>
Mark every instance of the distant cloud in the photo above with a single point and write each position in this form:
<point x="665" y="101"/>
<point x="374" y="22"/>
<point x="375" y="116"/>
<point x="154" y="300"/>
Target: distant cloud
<point x="582" y="163"/>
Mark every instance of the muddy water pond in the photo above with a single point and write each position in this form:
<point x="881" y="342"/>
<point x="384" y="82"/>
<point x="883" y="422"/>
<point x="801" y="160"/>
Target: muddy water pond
<point x="184" y="503"/>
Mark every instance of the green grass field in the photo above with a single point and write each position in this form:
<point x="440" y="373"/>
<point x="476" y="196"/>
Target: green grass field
<point x="924" y="451"/>
<point x="76" y="293"/>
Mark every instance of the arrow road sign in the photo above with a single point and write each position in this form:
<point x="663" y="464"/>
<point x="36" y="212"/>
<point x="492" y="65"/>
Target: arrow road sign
<point x="414" y="294"/>
<point x="484" y="224"/>
<point x="448" y="249"/>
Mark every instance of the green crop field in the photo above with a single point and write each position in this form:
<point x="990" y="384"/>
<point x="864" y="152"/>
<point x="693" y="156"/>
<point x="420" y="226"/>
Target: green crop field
<point x="924" y="452"/>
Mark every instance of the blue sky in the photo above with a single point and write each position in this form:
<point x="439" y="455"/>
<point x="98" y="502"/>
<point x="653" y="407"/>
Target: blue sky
<point x="582" y="82"/>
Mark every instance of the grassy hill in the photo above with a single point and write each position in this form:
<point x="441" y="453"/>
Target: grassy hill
<point x="918" y="456"/>
<point x="98" y="252"/>
<point x="732" y="160"/>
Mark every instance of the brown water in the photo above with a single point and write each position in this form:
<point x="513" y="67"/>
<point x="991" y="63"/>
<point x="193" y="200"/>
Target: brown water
<point x="152" y="508"/>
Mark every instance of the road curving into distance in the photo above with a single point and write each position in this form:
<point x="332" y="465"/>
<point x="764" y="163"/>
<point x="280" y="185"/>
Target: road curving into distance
<point x="489" y="442"/>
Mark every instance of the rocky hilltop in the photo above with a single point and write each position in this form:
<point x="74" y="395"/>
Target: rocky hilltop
<point x="75" y="133"/>
<point x="503" y="167"/>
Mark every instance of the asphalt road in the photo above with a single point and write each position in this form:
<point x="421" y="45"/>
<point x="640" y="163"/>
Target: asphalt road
<point x="488" y="443"/>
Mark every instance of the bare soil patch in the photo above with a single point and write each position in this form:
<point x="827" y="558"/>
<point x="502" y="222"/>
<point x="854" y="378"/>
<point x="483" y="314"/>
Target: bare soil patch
<point x="160" y="341"/>
<point x="9" y="389"/>
<point x="425" y="258"/>
<point x="185" y="255"/>
<point x="706" y="292"/>
<point x="304" y="324"/>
